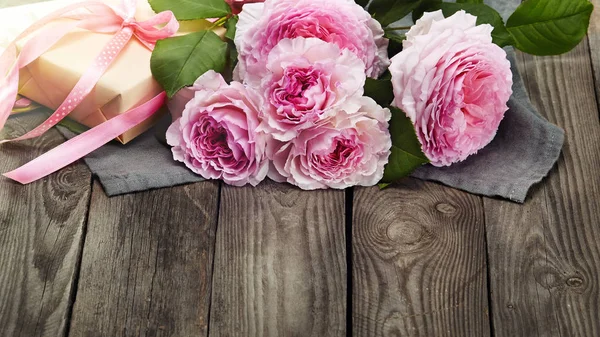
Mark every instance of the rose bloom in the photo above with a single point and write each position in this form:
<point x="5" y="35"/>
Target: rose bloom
<point x="453" y="83"/>
<point x="342" y="22"/>
<point x="306" y="78"/>
<point x="351" y="149"/>
<point x="216" y="134"/>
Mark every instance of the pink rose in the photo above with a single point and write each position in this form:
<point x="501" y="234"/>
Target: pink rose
<point x="236" y="5"/>
<point x="215" y="136"/>
<point x="343" y="22"/>
<point x="306" y="78"/>
<point x="351" y="149"/>
<point x="178" y="102"/>
<point x="453" y="83"/>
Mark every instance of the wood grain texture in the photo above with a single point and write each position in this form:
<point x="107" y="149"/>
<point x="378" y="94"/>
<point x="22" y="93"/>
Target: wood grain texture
<point x="418" y="262"/>
<point x="544" y="256"/>
<point x="594" y="43"/>
<point x="41" y="226"/>
<point x="280" y="263"/>
<point x="147" y="263"/>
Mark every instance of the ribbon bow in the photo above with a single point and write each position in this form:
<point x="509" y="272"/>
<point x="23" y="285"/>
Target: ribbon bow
<point x="93" y="16"/>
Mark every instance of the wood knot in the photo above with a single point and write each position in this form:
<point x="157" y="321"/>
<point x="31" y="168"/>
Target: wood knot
<point x="548" y="277"/>
<point x="510" y="306"/>
<point x="408" y="233"/>
<point x="574" y="282"/>
<point x="445" y="208"/>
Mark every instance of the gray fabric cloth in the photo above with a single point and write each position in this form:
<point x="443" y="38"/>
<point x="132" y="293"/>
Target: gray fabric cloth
<point x="144" y="163"/>
<point x="522" y="153"/>
<point x="504" y="7"/>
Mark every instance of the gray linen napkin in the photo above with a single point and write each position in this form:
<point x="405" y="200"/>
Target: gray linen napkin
<point x="142" y="164"/>
<point x="522" y="153"/>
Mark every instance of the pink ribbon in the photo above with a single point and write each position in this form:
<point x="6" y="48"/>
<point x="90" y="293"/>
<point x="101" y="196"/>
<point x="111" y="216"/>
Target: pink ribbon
<point x="85" y="143"/>
<point x="22" y="103"/>
<point x="94" y="16"/>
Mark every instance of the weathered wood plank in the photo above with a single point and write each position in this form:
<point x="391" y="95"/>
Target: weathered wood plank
<point x="41" y="226"/>
<point x="594" y="43"/>
<point x="544" y="256"/>
<point x="280" y="263"/>
<point x="147" y="263"/>
<point x="418" y="262"/>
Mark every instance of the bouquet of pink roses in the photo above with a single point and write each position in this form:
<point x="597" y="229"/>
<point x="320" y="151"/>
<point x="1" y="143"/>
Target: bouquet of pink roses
<point x="319" y="94"/>
<point x="327" y="94"/>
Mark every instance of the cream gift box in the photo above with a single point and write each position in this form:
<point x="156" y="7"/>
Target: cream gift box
<point x="48" y="80"/>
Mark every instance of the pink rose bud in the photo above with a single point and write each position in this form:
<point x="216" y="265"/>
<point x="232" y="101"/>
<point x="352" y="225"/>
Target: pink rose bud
<point x="453" y="83"/>
<point x="216" y="134"/>
<point x="350" y="150"/>
<point x="342" y="22"/>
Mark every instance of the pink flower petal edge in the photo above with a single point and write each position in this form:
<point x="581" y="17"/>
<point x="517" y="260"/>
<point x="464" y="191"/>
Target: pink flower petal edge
<point x="453" y="83"/>
<point x="215" y="136"/>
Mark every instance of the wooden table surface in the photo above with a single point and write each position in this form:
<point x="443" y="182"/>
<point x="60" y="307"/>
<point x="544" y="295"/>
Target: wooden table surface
<point x="417" y="259"/>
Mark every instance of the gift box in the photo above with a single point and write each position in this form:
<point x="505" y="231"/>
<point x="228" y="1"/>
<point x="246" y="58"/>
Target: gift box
<point x="126" y="84"/>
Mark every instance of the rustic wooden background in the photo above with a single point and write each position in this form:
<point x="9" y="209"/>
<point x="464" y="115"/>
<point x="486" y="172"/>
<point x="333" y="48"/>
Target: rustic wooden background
<point x="417" y="259"/>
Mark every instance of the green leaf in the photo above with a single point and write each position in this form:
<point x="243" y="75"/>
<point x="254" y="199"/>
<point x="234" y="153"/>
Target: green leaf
<point x="383" y="186"/>
<point x="395" y="42"/>
<point x="469" y="1"/>
<point x="406" y="149"/>
<point x="232" y="60"/>
<point x="177" y="62"/>
<point x="233" y="55"/>
<point x="230" y="25"/>
<point x="192" y="9"/>
<point x="423" y="7"/>
<point x="398" y="38"/>
<point x="73" y="126"/>
<point x="390" y="11"/>
<point x="380" y="90"/>
<point x="484" y="14"/>
<point x="362" y="3"/>
<point x="549" y="27"/>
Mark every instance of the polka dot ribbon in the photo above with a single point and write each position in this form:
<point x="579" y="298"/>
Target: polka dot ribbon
<point x="93" y="16"/>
